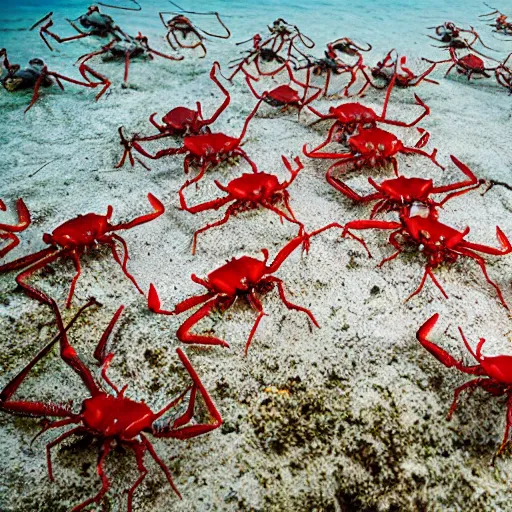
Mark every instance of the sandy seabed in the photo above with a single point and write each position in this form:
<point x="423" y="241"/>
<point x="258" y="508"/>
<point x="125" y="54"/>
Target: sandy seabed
<point x="350" y="416"/>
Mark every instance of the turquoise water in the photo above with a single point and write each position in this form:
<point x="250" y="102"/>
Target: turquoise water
<point x="391" y="23"/>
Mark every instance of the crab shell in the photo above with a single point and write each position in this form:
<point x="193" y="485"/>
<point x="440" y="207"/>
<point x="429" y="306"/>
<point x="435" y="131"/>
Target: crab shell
<point x="116" y="416"/>
<point x="433" y="234"/>
<point x="353" y="112"/>
<point x="180" y="118"/>
<point x="96" y="20"/>
<point x="471" y="61"/>
<point x="253" y="186"/>
<point x="406" y="190"/>
<point x="83" y="230"/>
<point x="282" y="95"/>
<point x="375" y="142"/>
<point x="238" y="275"/>
<point x="210" y="144"/>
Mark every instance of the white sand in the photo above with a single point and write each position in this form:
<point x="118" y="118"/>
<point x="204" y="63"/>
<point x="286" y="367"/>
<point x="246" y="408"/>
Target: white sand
<point x="362" y="424"/>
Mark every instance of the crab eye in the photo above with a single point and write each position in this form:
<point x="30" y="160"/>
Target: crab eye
<point x="381" y="147"/>
<point x="369" y="146"/>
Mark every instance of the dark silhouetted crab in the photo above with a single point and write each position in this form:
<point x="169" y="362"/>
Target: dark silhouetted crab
<point x="452" y="36"/>
<point x="180" y="24"/>
<point x="350" y="117"/>
<point x="439" y="243"/>
<point x="394" y="66"/>
<point x="333" y="64"/>
<point x="492" y="373"/>
<point x="203" y="151"/>
<point x="503" y="74"/>
<point x="110" y="416"/>
<point x="179" y="121"/>
<point x="71" y="239"/>
<point x="7" y="230"/>
<point x="285" y="96"/>
<point x="372" y="147"/>
<point x="263" y="52"/>
<point x="126" y="50"/>
<point x="247" y="192"/>
<point x="96" y="24"/>
<point x="37" y="75"/>
<point x="244" y="277"/>
<point x="502" y="24"/>
<point x="397" y="193"/>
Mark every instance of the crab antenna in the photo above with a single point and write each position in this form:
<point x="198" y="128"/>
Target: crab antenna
<point x="190" y="12"/>
<point x="138" y="8"/>
<point x="42" y="20"/>
<point x="468" y="346"/>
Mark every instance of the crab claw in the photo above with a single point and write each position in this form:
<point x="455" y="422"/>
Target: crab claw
<point x="154" y="301"/>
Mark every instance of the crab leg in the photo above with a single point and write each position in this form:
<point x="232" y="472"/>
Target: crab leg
<point x="109" y="240"/>
<point x="71" y="358"/>
<point x="288" y="304"/>
<point x="185" y="336"/>
<point x="55" y="442"/>
<point x="428" y="273"/>
<point x="225" y="103"/>
<point x="52" y="255"/>
<point x="178" y="429"/>
<point x="158" y="208"/>
<point x="37" y="408"/>
<point x="161" y="463"/>
<point x="230" y="211"/>
<point x="258" y="306"/>
<point x="23" y="218"/>
<point x="481" y="263"/>
<point x="105" y="450"/>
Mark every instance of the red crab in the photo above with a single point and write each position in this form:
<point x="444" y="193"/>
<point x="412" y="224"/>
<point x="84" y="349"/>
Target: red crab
<point x="439" y="243"/>
<point x="285" y="96"/>
<point x="7" y="230"/>
<point x="180" y="24"/>
<point x="71" y="239"/>
<point x="204" y="150"/>
<point x="370" y="147"/>
<point x="392" y="66"/>
<point x="396" y="193"/>
<point x="179" y="121"/>
<point x="349" y="117"/>
<point x="244" y="277"/>
<point x="108" y="415"/>
<point x="469" y="65"/>
<point x="247" y="192"/>
<point x="492" y="373"/>
<point x="37" y="75"/>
